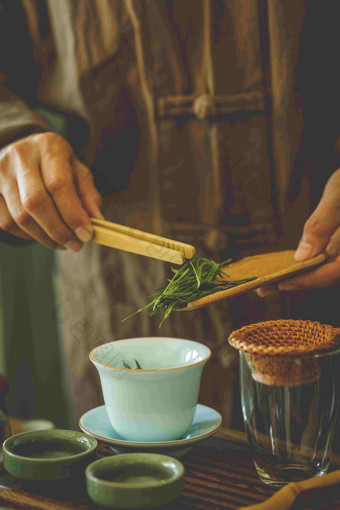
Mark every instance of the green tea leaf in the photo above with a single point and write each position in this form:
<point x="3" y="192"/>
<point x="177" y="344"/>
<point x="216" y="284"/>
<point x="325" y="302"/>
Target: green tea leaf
<point x="126" y="365"/>
<point x="197" y="278"/>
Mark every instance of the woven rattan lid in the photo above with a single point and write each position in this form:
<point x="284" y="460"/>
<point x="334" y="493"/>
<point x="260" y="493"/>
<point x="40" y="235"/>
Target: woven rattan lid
<point x="273" y="345"/>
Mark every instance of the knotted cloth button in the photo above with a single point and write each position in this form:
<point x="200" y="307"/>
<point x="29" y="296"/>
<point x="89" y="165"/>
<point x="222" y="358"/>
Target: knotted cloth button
<point x="204" y="106"/>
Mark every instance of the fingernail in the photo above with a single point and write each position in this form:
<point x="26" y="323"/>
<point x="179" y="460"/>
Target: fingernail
<point x="73" y="245"/>
<point x="304" y="251"/>
<point x="84" y="233"/>
<point x="265" y="292"/>
<point x="99" y="216"/>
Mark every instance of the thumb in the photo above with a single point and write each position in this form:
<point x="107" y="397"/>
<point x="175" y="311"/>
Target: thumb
<point x="318" y="229"/>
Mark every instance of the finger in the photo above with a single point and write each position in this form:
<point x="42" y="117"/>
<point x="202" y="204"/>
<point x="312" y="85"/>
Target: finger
<point x="8" y="224"/>
<point x="323" y="276"/>
<point x="24" y="220"/>
<point x="333" y="247"/>
<point x="37" y="203"/>
<point x="319" y="228"/>
<point x="268" y="290"/>
<point x="57" y="175"/>
<point x="90" y="197"/>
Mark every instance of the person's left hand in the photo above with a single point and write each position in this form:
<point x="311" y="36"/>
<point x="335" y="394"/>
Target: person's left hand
<point x="321" y="233"/>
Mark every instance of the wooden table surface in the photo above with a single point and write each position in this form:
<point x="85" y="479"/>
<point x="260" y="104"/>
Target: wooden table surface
<point x="219" y="475"/>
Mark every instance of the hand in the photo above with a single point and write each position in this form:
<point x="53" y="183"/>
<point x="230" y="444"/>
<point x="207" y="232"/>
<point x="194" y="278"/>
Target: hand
<point x="46" y="193"/>
<point x="321" y="233"/>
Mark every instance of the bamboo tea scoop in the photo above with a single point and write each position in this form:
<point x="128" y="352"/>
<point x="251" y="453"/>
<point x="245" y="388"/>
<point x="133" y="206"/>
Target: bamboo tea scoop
<point x="136" y="241"/>
<point x="285" y="497"/>
<point x="268" y="268"/>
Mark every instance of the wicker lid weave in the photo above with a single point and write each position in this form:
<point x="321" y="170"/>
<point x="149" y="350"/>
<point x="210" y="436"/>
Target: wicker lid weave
<point x="273" y="347"/>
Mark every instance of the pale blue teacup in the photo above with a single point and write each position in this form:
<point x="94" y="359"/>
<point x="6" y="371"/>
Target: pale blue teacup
<point x="157" y="402"/>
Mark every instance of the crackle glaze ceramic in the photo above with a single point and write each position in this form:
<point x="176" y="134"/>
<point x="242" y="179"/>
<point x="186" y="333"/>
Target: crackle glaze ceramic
<point x="47" y="455"/>
<point x="134" y="480"/>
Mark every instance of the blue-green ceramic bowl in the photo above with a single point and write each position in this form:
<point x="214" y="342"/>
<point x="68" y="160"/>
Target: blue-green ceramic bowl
<point x="46" y="455"/>
<point x="134" y="480"/>
<point x="157" y="402"/>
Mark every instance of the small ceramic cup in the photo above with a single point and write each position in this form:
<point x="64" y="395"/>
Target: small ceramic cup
<point x="47" y="455"/>
<point x="158" y="401"/>
<point x="134" y="480"/>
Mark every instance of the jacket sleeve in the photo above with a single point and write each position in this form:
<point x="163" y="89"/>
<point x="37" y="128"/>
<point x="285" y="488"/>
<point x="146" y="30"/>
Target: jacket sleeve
<point x="19" y="75"/>
<point x="17" y="119"/>
<point x="18" y="81"/>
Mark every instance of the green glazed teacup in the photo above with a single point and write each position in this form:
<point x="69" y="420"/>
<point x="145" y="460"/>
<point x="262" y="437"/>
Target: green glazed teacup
<point x="134" y="480"/>
<point x="46" y="455"/>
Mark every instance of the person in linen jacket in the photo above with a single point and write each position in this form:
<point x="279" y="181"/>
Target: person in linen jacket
<point x="209" y="121"/>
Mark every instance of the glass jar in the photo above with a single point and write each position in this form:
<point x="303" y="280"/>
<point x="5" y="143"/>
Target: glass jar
<point x="290" y="418"/>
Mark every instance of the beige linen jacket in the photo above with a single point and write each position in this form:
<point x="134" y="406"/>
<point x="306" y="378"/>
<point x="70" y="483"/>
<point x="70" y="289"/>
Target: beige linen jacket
<point x="207" y="120"/>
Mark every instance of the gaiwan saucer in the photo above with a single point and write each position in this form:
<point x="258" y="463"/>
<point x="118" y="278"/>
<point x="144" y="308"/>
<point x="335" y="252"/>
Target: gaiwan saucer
<point x="96" y="423"/>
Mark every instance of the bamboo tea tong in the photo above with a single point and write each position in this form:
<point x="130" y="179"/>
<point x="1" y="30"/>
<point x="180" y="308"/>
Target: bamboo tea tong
<point x="264" y="269"/>
<point x="136" y="241"/>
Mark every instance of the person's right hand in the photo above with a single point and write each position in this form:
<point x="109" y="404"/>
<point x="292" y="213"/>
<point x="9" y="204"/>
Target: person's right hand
<point x="46" y="193"/>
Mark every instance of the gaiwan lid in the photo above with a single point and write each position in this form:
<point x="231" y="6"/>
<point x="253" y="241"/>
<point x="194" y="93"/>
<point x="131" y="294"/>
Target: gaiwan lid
<point x="283" y="352"/>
